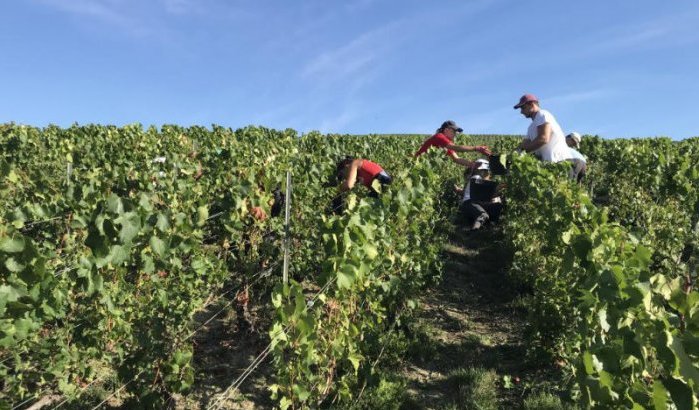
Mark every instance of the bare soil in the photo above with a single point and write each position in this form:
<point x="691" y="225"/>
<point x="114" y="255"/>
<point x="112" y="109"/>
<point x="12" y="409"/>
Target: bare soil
<point x="474" y="323"/>
<point x="223" y="351"/>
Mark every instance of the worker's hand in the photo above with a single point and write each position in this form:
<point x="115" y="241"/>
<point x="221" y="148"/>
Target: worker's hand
<point x="258" y="213"/>
<point x="483" y="150"/>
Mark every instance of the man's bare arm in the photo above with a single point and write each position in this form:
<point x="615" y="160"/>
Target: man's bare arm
<point x="542" y="138"/>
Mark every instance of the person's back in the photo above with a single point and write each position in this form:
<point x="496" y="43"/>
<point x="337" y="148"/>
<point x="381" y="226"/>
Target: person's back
<point x="579" y="162"/>
<point x="350" y="171"/>
<point x="575" y="154"/>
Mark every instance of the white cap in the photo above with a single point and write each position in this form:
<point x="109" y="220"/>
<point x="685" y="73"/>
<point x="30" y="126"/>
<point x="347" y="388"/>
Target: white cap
<point x="575" y="137"/>
<point x="482" y="164"/>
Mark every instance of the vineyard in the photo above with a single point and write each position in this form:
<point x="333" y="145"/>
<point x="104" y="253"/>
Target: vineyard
<point x="113" y="241"/>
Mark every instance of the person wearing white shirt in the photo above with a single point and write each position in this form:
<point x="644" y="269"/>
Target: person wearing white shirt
<point x="544" y="136"/>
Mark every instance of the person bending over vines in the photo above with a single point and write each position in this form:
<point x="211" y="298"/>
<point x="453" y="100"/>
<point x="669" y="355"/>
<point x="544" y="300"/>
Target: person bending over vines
<point x="350" y="171"/>
<point x="444" y="138"/>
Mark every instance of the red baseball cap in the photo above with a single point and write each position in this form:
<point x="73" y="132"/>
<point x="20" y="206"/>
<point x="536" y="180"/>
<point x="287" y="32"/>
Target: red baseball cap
<point x="525" y="99"/>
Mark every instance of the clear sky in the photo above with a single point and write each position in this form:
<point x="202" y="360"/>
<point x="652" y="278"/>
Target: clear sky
<point x="621" y="68"/>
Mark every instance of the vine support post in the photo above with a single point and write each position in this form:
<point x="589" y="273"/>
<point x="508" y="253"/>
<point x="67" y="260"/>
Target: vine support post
<point x="69" y="172"/>
<point x="287" y="207"/>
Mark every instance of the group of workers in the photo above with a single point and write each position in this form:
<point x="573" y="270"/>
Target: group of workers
<point x="480" y="201"/>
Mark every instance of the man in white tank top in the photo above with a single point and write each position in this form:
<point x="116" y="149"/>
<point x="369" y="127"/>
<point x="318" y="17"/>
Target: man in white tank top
<point x="544" y="137"/>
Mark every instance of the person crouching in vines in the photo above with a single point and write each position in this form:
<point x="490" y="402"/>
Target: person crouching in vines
<point x="481" y="201"/>
<point x="351" y="171"/>
<point x="259" y="214"/>
<point x="578" y="160"/>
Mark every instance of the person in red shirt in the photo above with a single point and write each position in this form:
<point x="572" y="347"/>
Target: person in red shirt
<point x="357" y="170"/>
<point x="444" y="138"/>
<point x="351" y="170"/>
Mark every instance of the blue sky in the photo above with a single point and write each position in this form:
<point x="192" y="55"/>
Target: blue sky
<point x="613" y="68"/>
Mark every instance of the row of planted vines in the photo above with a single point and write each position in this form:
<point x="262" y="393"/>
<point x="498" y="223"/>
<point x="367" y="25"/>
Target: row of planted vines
<point x="111" y="239"/>
<point x="611" y="270"/>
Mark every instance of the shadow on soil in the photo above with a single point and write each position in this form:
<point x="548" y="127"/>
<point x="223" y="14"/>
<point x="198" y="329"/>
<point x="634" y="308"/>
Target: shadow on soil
<point x="222" y="353"/>
<point x="471" y="325"/>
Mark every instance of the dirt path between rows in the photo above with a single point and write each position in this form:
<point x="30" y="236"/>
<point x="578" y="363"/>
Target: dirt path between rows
<point x="473" y="355"/>
<point x="223" y="352"/>
<point x="477" y="357"/>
